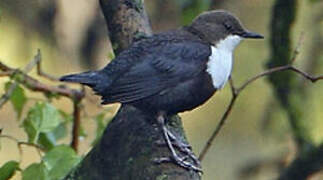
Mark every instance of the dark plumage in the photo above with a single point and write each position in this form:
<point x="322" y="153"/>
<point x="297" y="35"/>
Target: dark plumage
<point x="164" y="72"/>
<point x="153" y="73"/>
<point x="171" y="72"/>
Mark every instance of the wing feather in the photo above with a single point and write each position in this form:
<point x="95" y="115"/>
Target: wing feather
<point x="163" y="69"/>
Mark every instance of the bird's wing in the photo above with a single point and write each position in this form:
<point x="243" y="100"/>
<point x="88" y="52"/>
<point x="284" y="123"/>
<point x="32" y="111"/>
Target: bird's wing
<point x="165" y="66"/>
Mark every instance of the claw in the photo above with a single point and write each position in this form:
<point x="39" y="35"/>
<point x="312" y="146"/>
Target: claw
<point x="181" y="161"/>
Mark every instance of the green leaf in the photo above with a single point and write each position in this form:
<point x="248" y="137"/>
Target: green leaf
<point x="60" y="160"/>
<point x="17" y="98"/>
<point x="42" y="118"/>
<point x="8" y="170"/>
<point x="36" y="171"/>
<point x="48" y="140"/>
<point x="60" y="131"/>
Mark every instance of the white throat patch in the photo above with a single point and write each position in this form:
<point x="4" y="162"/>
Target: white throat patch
<point x="221" y="60"/>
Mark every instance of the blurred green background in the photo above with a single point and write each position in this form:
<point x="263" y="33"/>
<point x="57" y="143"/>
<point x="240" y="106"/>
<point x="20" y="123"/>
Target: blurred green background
<point x="74" y="38"/>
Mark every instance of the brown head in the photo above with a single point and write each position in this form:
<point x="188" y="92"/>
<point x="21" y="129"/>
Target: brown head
<point x="217" y="25"/>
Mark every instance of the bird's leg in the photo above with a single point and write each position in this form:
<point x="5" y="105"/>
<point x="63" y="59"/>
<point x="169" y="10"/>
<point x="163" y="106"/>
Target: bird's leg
<point x="182" y="147"/>
<point x="185" y="148"/>
<point x="178" y="160"/>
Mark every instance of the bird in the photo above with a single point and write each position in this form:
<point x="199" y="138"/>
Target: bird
<point x="173" y="71"/>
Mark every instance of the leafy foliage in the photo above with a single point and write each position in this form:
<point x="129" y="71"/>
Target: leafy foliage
<point x="8" y="170"/>
<point x="18" y="98"/>
<point x="54" y="165"/>
<point x="45" y="125"/>
<point x="36" y="171"/>
<point x="40" y="123"/>
<point x="59" y="161"/>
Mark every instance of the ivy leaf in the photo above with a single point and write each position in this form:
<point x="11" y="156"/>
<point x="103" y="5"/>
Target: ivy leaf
<point x="60" y="160"/>
<point x="8" y="170"/>
<point x="36" y="171"/>
<point x="17" y="98"/>
<point x="42" y="118"/>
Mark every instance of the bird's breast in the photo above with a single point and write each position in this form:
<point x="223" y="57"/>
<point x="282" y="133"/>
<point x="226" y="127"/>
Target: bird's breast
<point x="219" y="66"/>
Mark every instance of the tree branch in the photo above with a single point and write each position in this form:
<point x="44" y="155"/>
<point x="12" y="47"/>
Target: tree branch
<point x="236" y="92"/>
<point x="20" y="143"/>
<point x="33" y="84"/>
<point x="128" y="147"/>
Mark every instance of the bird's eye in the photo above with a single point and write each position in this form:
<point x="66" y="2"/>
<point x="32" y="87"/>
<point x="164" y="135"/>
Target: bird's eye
<point x="227" y="26"/>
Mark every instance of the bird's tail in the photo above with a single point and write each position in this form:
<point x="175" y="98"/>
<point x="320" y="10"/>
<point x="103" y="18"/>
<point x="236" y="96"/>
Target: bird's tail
<point x="97" y="80"/>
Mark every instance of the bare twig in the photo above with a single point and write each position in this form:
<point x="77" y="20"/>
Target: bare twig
<point x="236" y="92"/>
<point x="76" y="125"/>
<point x="34" y="85"/>
<point x="218" y="128"/>
<point x="20" y="143"/>
<point x="9" y="72"/>
<point x="40" y="72"/>
<point x="6" y="96"/>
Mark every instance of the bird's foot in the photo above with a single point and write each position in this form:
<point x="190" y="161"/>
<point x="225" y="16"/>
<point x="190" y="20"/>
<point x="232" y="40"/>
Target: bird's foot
<point x="179" y="161"/>
<point x="184" y="148"/>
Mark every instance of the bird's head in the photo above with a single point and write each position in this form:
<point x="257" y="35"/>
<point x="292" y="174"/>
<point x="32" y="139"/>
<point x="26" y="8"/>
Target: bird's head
<point x="219" y="26"/>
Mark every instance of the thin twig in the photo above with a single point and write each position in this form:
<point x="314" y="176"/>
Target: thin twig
<point x="34" y="85"/>
<point x="38" y="148"/>
<point x="9" y="72"/>
<point x="76" y="125"/>
<point x="40" y="71"/>
<point x="5" y="74"/>
<point x="236" y="92"/>
<point x="19" y="143"/>
<point x="218" y="128"/>
<point x="6" y="96"/>
<point x="30" y="83"/>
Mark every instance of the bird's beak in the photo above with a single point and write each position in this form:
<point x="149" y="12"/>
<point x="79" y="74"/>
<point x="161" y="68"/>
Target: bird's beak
<point x="252" y="35"/>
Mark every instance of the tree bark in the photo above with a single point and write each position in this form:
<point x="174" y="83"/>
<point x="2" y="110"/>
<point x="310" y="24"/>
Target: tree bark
<point x="127" y="150"/>
<point x="128" y="146"/>
<point x="126" y="20"/>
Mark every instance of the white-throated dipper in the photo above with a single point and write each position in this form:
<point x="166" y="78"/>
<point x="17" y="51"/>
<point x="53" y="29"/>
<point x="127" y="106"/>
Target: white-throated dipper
<point x="173" y="71"/>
